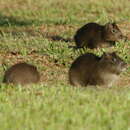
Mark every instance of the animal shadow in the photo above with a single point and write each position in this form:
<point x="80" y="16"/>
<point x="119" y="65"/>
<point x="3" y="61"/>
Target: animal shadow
<point x="59" y="38"/>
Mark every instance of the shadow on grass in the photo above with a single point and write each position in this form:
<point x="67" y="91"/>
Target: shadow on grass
<point x="59" y="38"/>
<point x="12" y="21"/>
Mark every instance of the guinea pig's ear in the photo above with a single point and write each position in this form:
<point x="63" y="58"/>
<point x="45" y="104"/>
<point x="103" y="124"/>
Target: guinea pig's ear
<point x="108" y="26"/>
<point x="114" y="53"/>
<point x="106" y="55"/>
<point x="114" y="23"/>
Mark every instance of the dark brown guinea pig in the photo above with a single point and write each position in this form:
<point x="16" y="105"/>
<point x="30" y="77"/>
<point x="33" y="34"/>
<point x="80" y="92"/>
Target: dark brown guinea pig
<point x="90" y="69"/>
<point x="21" y="73"/>
<point x="93" y="35"/>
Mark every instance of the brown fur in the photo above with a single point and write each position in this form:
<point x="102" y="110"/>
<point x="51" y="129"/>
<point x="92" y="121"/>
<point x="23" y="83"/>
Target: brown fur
<point x="21" y="73"/>
<point x="90" y="69"/>
<point x="93" y="35"/>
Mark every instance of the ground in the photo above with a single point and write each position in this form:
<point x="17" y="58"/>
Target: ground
<point x="41" y="33"/>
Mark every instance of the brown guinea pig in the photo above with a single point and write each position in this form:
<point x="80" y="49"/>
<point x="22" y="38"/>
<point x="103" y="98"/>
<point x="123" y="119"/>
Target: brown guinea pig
<point x="90" y="69"/>
<point x="93" y="35"/>
<point x="21" y="73"/>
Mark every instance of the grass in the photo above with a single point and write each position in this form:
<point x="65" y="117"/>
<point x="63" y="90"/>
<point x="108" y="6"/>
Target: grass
<point x="40" y="33"/>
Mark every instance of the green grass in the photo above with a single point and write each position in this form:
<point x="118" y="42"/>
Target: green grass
<point x="30" y="31"/>
<point x="63" y="107"/>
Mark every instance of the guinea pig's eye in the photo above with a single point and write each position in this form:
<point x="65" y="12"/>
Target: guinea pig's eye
<point x="113" y="30"/>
